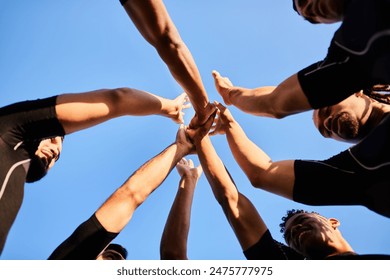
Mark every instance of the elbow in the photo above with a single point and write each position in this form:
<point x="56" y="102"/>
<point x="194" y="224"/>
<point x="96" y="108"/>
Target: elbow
<point x="278" y="112"/>
<point x="257" y="180"/>
<point x="132" y="194"/>
<point x="277" y="108"/>
<point x="227" y="200"/>
<point x="168" y="43"/>
<point x="116" y="96"/>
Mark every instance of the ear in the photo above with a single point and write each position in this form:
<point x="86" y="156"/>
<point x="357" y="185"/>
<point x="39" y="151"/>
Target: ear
<point x="334" y="222"/>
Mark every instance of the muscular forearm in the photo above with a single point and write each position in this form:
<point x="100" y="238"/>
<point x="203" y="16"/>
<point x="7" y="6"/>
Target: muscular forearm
<point x="117" y="211"/>
<point x="252" y="160"/>
<point x="154" y="23"/>
<point x="222" y="186"/>
<point x="240" y="212"/>
<point x="276" y="177"/>
<point x="277" y="102"/>
<point x="253" y="101"/>
<point x="182" y="67"/>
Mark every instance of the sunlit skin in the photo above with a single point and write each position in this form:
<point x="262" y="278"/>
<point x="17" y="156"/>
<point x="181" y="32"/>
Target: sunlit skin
<point x="315" y="236"/>
<point x="351" y="119"/>
<point x="321" y="11"/>
<point x="49" y="151"/>
<point x="344" y="120"/>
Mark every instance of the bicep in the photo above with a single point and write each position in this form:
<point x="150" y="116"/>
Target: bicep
<point x="82" y="110"/>
<point x="279" y="178"/>
<point x="288" y="98"/>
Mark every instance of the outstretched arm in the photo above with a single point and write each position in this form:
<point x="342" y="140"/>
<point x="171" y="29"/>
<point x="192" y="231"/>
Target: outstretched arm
<point x="275" y="102"/>
<point x="154" y="23"/>
<point x="79" y="111"/>
<point x="118" y="209"/>
<point x="239" y="211"/>
<point x="275" y="177"/>
<point x="173" y="244"/>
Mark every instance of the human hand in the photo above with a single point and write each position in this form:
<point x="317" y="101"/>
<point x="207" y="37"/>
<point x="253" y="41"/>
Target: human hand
<point x="184" y="143"/>
<point x="200" y="118"/>
<point x="175" y="107"/>
<point x="223" y="120"/>
<point x="186" y="169"/>
<point x="197" y="134"/>
<point x="223" y="85"/>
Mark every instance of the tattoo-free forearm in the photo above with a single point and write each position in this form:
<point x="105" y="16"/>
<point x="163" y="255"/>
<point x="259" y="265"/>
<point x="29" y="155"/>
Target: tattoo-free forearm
<point x="117" y="211"/>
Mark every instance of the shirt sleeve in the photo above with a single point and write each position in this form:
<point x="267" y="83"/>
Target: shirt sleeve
<point x="85" y="243"/>
<point x="29" y="121"/>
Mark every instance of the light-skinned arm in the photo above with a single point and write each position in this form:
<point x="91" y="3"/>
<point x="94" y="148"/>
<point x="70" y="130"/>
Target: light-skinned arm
<point x="155" y="24"/>
<point x="269" y="101"/>
<point x="118" y="209"/>
<point x="79" y="111"/>
<point x="275" y="177"/>
<point x="173" y="244"/>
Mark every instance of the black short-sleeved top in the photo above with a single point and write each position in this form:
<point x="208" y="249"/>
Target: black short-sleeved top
<point x="357" y="176"/>
<point x="85" y="243"/>
<point x="21" y="126"/>
<point x="358" y="56"/>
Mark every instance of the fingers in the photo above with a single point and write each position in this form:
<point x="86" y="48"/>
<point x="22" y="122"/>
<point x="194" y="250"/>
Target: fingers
<point x="218" y="78"/>
<point x="186" y="106"/>
<point x="220" y="106"/>
<point x="184" y="97"/>
<point x="200" y="169"/>
<point x="180" y="118"/>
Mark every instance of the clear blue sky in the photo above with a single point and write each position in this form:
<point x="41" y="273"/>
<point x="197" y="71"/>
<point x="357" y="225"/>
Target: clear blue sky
<point x="52" y="47"/>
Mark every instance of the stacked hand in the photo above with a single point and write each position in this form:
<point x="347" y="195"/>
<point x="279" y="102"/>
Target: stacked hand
<point x="186" y="169"/>
<point x="177" y="106"/>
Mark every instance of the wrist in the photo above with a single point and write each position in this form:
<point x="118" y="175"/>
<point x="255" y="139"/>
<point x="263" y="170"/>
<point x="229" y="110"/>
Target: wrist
<point x="190" y="178"/>
<point x="182" y="150"/>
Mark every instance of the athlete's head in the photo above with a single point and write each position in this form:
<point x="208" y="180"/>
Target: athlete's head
<point x="320" y="11"/>
<point x="46" y="154"/>
<point x="311" y="234"/>
<point x="345" y="121"/>
<point x="113" y="252"/>
<point x="355" y="117"/>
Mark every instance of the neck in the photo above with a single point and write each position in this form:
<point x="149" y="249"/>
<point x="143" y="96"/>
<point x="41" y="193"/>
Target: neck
<point x="378" y="112"/>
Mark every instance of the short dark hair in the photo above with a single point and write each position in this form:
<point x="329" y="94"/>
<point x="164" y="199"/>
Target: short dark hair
<point x="294" y="6"/>
<point x="289" y="214"/>
<point x="117" y="248"/>
<point x="379" y="93"/>
<point x="303" y="2"/>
